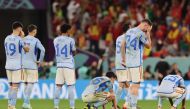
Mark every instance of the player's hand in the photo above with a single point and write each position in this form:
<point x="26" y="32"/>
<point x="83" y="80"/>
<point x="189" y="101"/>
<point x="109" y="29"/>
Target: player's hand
<point x="21" y="34"/>
<point x="173" y="107"/>
<point x="110" y="97"/>
<point x="149" y="29"/>
<point x="38" y="63"/>
<point x="123" y="64"/>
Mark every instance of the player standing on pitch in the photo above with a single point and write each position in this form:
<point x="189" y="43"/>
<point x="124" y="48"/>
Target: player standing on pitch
<point x="120" y="66"/>
<point x="30" y="63"/>
<point x="132" y="54"/>
<point x="175" y="90"/>
<point x="13" y="47"/>
<point x="100" y="91"/>
<point x="64" y="48"/>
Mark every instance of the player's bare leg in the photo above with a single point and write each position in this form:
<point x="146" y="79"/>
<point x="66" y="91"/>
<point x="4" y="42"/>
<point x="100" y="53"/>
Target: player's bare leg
<point x="113" y="99"/>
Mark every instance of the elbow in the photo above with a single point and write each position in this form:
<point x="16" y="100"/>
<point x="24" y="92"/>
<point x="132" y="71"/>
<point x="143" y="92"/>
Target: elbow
<point x="148" y="46"/>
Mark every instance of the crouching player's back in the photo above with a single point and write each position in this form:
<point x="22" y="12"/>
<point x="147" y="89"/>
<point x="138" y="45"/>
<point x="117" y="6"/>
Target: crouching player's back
<point x="172" y="87"/>
<point x="100" y="91"/>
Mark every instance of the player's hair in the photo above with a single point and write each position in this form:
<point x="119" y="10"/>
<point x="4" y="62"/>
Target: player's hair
<point x="31" y="27"/>
<point x="64" y="28"/>
<point x="16" y="25"/>
<point x="147" y="21"/>
<point x="111" y="74"/>
<point x="126" y="26"/>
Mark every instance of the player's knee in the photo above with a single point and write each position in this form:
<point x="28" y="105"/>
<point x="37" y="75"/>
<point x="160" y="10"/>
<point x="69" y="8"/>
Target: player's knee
<point x="134" y="89"/>
<point x="85" y="98"/>
<point x="111" y="97"/>
<point x="127" y="84"/>
<point x="15" y="85"/>
<point x="121" y="85"/>
<point x="59" y="85"/>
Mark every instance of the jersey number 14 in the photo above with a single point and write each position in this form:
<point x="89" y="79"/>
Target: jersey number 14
<point x="62" y="50"/>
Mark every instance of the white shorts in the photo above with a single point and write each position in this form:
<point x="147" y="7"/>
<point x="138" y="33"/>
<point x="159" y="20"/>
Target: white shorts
<point x="176" y="94"/>
<point x="92" y="98"/>
<point x="14" y="76"/>
<point x="65" y="75"/>
<point x="30" y="76"/>
<point x="135" y="75"/>
<point x="121" y="75"/>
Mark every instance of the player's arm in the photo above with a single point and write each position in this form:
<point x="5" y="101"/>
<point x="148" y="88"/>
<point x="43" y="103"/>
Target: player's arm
<point x="21" y="34"/>
<point x="123" y="43"/>
<point x="182" y="85"/>
<point x="145" y="38"/>
<point x="112" y="98"/>
<point x="42" y="51"/>
<point x="26" y="48"/>
<point x="74" y="51"/>
<point x="103" y="107"/>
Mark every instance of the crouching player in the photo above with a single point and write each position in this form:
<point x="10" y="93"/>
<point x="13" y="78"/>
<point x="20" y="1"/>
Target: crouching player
<point x="172" y="87"/>
<point x="100" y="91"/>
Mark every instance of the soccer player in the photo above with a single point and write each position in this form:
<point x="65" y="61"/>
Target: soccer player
<point x="120" y="67"/>
<point x="30" y="63"/>
<point x="100" y="91"/>
<point x="65" y="48"/>
<point x="172" y="87"/>
<point x="13" y="47"/>
<point x="132" y="54"/>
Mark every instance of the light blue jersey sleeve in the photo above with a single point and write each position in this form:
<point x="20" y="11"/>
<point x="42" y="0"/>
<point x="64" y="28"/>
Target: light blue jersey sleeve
<point x="73" y="45"/>
<point x="182" y="83"/>
<point x="42" y="50"/>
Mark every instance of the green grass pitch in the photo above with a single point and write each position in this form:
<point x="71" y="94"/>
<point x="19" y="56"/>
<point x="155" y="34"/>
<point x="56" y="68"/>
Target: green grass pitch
<point x="64" y="104"/>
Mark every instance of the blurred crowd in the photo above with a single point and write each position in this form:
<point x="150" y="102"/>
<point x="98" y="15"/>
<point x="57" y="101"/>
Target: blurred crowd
<point x="97" y="24"/>
<point x="161" y="69"/>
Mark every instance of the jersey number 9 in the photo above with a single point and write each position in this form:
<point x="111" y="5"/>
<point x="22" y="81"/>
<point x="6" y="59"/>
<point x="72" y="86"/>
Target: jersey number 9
<point x="10" y="49"/>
